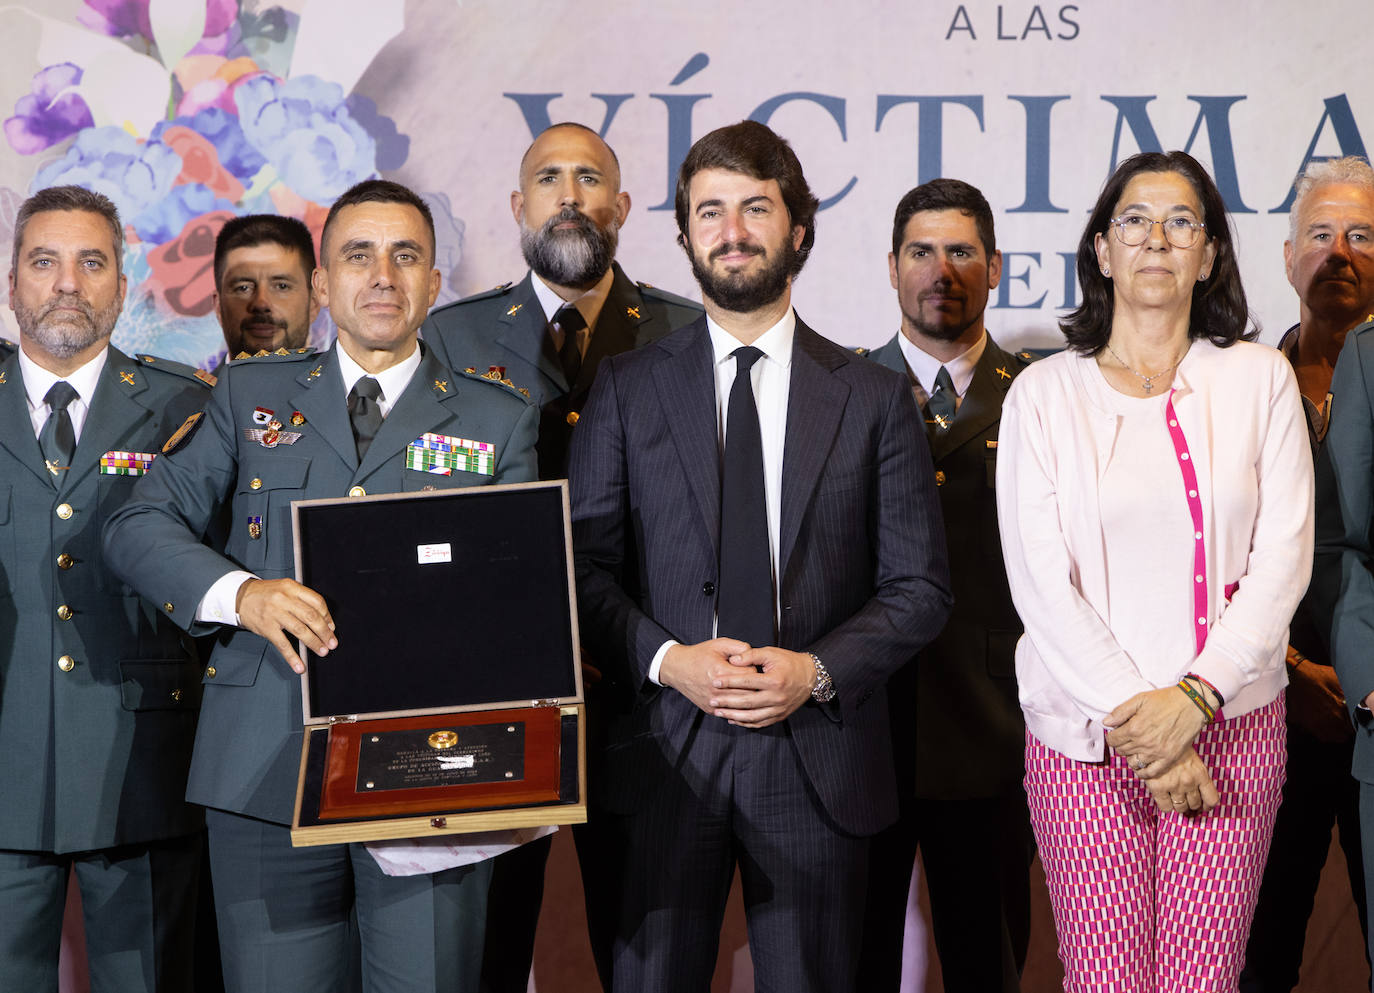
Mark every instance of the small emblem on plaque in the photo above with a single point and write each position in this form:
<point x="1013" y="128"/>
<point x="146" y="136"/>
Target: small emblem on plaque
<point x="443" y="739"/>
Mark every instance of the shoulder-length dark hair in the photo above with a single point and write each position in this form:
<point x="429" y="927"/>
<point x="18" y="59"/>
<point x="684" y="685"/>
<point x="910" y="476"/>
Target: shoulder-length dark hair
<point x="1219" y="310"/>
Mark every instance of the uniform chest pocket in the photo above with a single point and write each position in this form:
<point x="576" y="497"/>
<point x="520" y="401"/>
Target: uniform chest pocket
<point x="260" y="533"/>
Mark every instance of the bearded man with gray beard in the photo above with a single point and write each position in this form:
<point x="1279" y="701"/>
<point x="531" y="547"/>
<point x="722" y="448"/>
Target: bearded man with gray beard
<point x="547" y="334"/>
<point x="99" y="690"/>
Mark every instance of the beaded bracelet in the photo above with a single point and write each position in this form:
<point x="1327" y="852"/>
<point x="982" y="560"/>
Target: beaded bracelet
<point x="1208" y="714"/>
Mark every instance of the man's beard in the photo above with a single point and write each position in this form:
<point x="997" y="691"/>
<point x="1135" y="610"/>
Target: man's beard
<point x="577" y="257"/>
<point x="939" y="329"/>
<point x="68" y="336"/>
<point x="742" y="292"/>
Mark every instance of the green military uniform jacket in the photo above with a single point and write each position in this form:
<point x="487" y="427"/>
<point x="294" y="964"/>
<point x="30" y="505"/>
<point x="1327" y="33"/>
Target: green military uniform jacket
<point x="506" y="328"/>
<point x="969" y="732"/>
<point x="98" y="693"/>
<point x="248" y="748"/>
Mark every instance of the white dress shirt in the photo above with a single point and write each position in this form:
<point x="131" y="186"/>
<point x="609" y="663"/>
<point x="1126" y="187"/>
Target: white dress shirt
<point x="771" y="379"/>
<point x="37" y="382"/>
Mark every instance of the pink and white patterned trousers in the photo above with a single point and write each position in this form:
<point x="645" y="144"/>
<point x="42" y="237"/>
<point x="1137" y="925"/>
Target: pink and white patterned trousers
<point x="1152" y="902"/>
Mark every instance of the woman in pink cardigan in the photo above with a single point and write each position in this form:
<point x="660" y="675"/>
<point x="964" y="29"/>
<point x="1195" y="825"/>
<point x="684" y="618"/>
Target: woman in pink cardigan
<point x="1155" y="500"/>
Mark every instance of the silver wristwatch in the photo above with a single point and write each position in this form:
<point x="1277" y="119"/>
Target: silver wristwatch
<point x="824" y="690"/>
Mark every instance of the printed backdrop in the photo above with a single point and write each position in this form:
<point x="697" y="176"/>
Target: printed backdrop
<point x="187" y="113"/>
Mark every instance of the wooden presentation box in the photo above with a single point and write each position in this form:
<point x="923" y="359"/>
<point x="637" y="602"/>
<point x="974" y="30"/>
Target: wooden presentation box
<point x="454" y="700"/>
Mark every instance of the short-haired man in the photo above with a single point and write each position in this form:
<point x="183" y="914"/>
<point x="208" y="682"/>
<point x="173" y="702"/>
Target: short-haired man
<point x="302" y="426"/>
<point x="263" y="264"/>
<point x="575" y="306"/>
<point x="548" y="333"/>
<point x="749" y="592"/>
<point x="969" y="816"/>
<point x="98" y="693"/>
<point x="1329" y="257"/>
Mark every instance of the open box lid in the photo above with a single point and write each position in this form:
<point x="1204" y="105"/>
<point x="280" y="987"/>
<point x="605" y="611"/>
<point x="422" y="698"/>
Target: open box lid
<point x="444" y="601"/>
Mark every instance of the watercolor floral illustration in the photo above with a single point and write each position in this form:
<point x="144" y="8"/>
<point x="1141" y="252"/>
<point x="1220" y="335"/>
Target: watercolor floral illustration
<point x="188" y="113"/>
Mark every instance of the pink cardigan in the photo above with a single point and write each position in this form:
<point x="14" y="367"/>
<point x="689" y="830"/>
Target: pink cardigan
<point x="1241" y="416"/>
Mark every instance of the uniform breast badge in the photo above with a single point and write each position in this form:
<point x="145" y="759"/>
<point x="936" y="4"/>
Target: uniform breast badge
<point x="272" y="435"/>
<point x="255" y="527"/>
<point x="126" y="463"/>
<point x="440" y="454"/>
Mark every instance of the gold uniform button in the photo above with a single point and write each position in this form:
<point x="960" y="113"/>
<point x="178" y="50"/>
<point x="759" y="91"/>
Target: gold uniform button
<point x="64" y="511"/>
<point x="356" y="491"/>
<point x="255" y="483"/>
<point x="65" y="561"/>
<point x="210" y="672"/>
<point x="66" y="663"/>
<point x="64" y="612"/>
<point x="939" y="477"/>
<point x="573" y="417"/>
<point x="168" y="607"/>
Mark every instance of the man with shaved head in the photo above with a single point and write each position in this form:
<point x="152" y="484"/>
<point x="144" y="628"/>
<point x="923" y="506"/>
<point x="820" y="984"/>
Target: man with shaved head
<point x="547" y="334"/>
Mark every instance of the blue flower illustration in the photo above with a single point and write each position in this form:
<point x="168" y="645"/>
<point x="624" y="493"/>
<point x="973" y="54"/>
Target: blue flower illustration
<point x="111" y="161"/>
<point x="304" y="129"/>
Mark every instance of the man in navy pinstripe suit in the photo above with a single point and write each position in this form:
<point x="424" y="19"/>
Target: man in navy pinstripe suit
<point x="765" y="747"/>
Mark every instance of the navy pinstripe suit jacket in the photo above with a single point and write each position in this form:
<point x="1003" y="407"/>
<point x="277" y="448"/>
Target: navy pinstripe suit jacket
<point x="863" y="575"/>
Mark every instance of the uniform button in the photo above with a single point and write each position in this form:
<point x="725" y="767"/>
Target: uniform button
<point x="66" y="663"/>
<point x="168" y="607"/>
<point x="356" y="491"/>
<point x="708" y="588"/>
<point x="1184" y="456"/>
<point x="64" y="612"/>
<point x="939" y="477"/>
<point x="255" y="483"/>
<point x="210" y="671"/>
<point x="573" y="417"/>
<point x="65" y="561"/>
<point x="64" y="511"/>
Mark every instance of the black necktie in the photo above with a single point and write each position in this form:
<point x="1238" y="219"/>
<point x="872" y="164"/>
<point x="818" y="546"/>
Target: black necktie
<point x="745" y="607"/>
<point x="363" y="412"/>
<point x="569" y="321"/>
<point x="940" y="406"/>
<point x="58" y="439"/>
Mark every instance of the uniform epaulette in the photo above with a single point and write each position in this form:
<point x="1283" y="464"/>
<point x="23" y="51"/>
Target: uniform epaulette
<point x="1027" y="355"/>
<point x="495" y="291"/>
<point x="280" y="355"/>
<point x="176" y="368"/>
<point x="7" y="347"/>
<point x="496" y="375"/>
<point x="649" y="290"/>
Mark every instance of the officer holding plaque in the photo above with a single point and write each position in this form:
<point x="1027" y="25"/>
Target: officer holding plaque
<point x="373" y="414"/>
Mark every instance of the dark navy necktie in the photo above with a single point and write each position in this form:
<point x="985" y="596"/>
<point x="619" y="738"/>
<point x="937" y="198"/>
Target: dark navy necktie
<point x="745" y="607"/>
<point x="941" y="405"/>
<point x="58" y="439"/>
<point x="569" y="321"/>
<point x="364" y="414"/>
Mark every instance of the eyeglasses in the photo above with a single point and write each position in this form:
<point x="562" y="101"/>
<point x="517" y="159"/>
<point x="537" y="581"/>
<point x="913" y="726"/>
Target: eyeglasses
<point x="1134" y="229"/>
